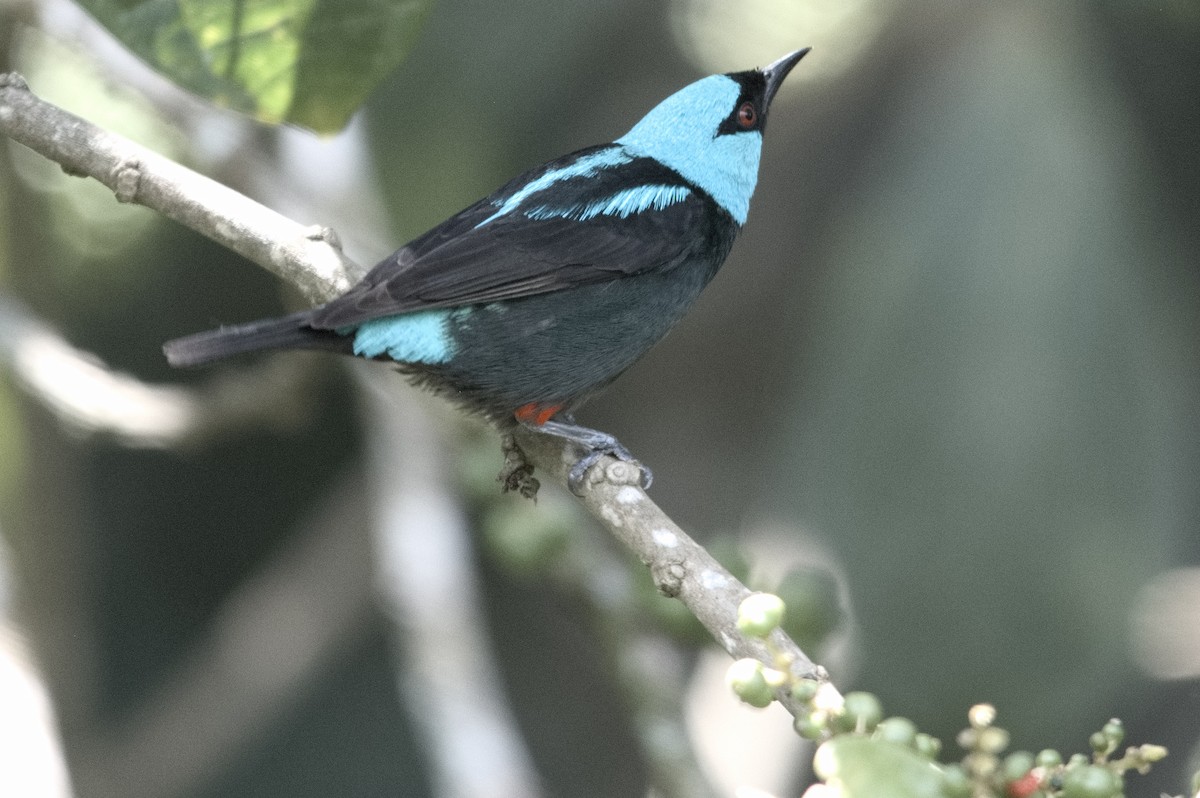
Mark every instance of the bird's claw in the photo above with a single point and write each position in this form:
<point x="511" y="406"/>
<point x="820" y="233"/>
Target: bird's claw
<point x="595" y="444"/>
<point x="517" y="473"/>
<point x="576" y="477"/>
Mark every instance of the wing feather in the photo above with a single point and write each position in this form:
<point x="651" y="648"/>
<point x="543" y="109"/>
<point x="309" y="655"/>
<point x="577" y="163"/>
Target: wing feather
<point x="480" y="256"/>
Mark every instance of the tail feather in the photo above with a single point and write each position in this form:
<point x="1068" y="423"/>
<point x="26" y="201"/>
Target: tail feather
<point x="287" y="332"/>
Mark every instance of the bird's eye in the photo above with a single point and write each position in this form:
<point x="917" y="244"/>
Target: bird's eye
<point x="747" y="116"/>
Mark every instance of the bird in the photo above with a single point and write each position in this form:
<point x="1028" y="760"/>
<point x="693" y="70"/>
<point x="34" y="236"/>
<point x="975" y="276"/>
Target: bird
<point x="525" y="304"/>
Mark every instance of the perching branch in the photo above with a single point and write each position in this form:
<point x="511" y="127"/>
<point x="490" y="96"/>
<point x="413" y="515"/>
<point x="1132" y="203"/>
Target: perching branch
<point x="681" y="567"/>
<point x="310" y="259"/>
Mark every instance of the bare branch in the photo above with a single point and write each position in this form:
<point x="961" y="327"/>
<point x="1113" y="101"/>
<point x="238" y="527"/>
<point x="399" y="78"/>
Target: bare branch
<point x="680" y="567"/>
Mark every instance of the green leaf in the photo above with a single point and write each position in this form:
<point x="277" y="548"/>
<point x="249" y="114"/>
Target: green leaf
<point x="307" y="62"/>
<point x="860" y="767"/>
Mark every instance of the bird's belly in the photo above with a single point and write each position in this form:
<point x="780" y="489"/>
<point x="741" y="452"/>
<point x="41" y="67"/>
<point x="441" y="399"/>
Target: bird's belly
<point x="557" y="348"/>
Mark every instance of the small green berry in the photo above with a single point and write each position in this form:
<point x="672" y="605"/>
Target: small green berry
<point x="992" y="740"/>
<point x="1153" y="753"/>
<point x="1099" y="743"/>
<point x="1090" y="781"/>
<point x="1048" y="758"/>
<point x="927" y="745"/>
<point x="745" y="677"/>
<point x="776" y="678"/>
<point x="896" y="730"/>
<point x="861" y="713"/>
<point x="1017" y="765"/>
<point x="811" y="725"/>
<point x="981" y="765"/>
<point x="759" y="614"/>
<point x="981" y="715"/>
<point x="955" y="782"/>
<point x="1114" y="730"/>
<point x="805" y="690"/>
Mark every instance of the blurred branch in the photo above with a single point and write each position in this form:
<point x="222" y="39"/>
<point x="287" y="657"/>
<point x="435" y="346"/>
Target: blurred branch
<point x="31" y="756"/>
<point x="428" y="590"/>
<point x="680" y="567"/>
<point x="89" y="396"/>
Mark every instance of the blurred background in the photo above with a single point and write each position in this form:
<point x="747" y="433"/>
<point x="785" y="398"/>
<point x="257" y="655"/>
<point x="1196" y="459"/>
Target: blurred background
<point x="949" y="375"/>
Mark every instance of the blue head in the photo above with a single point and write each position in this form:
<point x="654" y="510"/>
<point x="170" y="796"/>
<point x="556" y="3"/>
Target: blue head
<point x="711" y="131"/>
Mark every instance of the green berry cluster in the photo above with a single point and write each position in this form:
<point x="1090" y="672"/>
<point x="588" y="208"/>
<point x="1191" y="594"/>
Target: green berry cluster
<point x="1102" y="775"/>
<point x="754" y="682"/>
<point x="985" y="771"/>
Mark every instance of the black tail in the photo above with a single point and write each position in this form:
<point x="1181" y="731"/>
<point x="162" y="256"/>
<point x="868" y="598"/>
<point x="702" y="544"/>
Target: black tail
<point x="288" y="332"/>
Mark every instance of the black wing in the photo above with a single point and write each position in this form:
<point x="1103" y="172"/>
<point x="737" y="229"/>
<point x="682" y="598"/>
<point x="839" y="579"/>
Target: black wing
<point x="480" y="255"/>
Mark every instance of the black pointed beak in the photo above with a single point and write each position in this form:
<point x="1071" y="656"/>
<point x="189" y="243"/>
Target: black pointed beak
<point x="776" y="72"/>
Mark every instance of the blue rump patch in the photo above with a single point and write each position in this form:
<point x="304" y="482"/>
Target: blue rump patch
<point x="419" y="337"/>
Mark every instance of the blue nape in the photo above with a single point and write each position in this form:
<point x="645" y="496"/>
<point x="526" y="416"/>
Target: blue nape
<point x="419" y="337"/>
<point x="681" y="132"/>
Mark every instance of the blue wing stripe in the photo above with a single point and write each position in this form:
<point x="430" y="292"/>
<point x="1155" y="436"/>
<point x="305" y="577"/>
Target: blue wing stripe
<point x="624" y="203"/>
<point x="587" y="166"/>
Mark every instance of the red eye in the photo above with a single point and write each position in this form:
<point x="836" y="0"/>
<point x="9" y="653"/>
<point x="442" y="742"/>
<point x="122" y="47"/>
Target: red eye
<point x="747" y="116"/>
